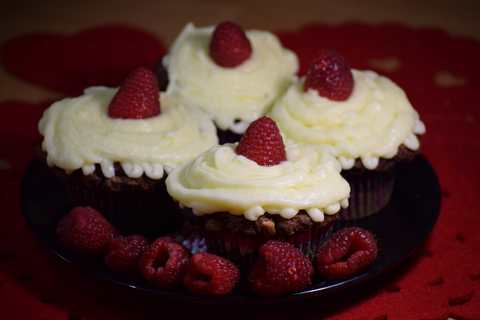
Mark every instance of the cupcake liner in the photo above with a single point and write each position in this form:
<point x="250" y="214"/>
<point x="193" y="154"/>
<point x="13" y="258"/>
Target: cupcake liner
<point x="131" y="209"/>
<point x="370" y="192"/>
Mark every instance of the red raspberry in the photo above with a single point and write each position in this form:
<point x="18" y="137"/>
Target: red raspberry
<point x="262" y="143"/>
<point x="85" y="230"/>
<point x="164" y="263"/>
<point x="229" y="46"/>
<point x="137" y="98"/>
<point x="348" y="251"/>
<point x="330" y="75"/>
<point x="125" y="253"/>
<point x="209" y="274"/>
<point x="280" y="269"/>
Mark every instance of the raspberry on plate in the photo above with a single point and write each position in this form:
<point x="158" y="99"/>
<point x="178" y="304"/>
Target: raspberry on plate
<point x="330" y="75"/>
<point x="137" y="98"/>
<point x="347" y="252"/>
<point x="229" y="46"/>
<point x="125" y="252"/>
<point x="85" y="230"/>
<point x="280" y="269"/>
<point x="262" y="143"/>
<point x="164" y="263"/>
<point x="209" y="274"/>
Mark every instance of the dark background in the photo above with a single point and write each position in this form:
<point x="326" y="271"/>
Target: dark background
<point x="166" y="18"/>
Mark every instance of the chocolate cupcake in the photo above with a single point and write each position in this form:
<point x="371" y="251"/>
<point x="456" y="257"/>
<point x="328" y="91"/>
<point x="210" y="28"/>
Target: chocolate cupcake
<point x="362" y="118"/>
<point x="238" y="196"/>
<point x="114" y="148"/>
<point x="231" y="75"/>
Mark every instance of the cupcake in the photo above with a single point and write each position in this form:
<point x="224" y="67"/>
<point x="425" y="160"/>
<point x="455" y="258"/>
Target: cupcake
<point x="232" y="75"/>
<point x="362" y="118"/>
<point x="114" y="148"/>
<point x="238" y="196"/>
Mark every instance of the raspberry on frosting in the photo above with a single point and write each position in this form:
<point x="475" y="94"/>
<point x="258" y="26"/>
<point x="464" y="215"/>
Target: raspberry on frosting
<point x="137" y="98"/>
<point x="262" y="143"/>
<point x="229" y="45"/>
<point x="330" y="75"/>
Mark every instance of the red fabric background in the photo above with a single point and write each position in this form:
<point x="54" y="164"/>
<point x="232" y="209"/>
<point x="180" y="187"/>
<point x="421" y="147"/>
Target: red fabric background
<point x="443" y="281"/>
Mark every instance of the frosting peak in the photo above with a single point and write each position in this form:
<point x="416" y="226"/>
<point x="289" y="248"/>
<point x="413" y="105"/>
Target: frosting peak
<point x="219" y="180"/>
<point x="233" y="97"/>
<point x="78" y="134"/>
<point x="372" y="123"/>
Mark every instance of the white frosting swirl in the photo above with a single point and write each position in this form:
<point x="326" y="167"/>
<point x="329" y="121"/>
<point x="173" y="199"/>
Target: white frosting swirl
<point x="371" y="124"/>
<point x="78" y="133"/>
<point x="219" y="180"/>
<point x="243" y="93"/>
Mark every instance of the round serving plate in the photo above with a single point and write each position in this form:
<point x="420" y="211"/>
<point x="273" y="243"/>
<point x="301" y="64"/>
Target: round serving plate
<point x="400" y="229"/>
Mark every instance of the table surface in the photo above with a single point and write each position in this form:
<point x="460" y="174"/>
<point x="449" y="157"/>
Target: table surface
<point x="166" y="18"/>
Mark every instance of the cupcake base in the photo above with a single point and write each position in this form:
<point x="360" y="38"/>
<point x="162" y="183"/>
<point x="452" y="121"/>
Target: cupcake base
<point x="132" y="205"/>
<point x="371" y="190"/>
<point x="238" y="239"/>
<point x="243" y="250"/>
<point x="370" y="193"/>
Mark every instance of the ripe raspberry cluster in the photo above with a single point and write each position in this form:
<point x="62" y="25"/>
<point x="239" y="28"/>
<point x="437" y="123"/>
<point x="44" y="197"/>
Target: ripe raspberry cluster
<point x="280" y="267"/>
<point x="164" y="263"/>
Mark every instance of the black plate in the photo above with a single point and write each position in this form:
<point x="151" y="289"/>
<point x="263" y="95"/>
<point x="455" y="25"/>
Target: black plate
<point x="400" y="228"/>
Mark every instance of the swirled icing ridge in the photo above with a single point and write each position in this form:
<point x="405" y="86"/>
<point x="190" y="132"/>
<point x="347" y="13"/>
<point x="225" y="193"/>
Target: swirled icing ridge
<point x="219" y="180"/>
<point x="371" y="124"/>
<point x="233" y="97"/>
<point x="78" y="134"/>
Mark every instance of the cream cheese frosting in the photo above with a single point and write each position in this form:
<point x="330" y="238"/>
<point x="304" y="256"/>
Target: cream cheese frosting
<point x="371" y="124"/>
<point x="78" y="134"/>
<point x="233" y="97"/>
<point x="219" y="180"/>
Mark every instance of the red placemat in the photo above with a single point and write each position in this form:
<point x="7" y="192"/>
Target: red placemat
<point x="69" y="63"/>
<point x="438" y="72"/>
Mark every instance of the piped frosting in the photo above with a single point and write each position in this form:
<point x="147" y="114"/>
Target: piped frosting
<point x="79" y="134"/>
<point x="219" y="180"/>
<point x="371" y="124"/>
<point x="232" y="97"/>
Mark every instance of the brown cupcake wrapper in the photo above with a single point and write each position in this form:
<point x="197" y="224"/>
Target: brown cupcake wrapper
<point x="131" y="210"/>
<point x="242" y="248"/>
<point x="370" y="192"/>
